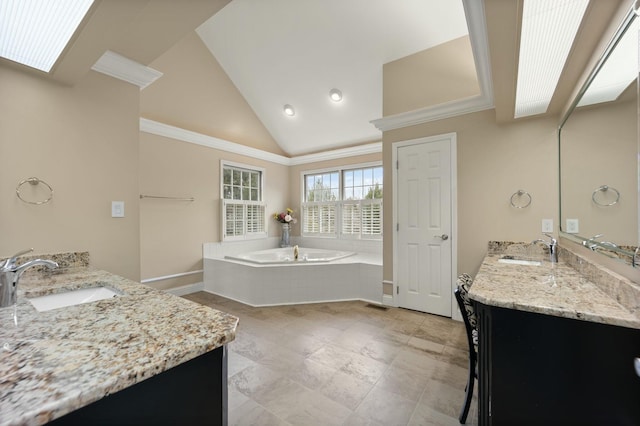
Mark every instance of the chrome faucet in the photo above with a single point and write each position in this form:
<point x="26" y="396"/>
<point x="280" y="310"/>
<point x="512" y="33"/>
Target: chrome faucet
<point x="552" y="245"/>
<point x="591" y="243"/>
<point x="10" y="275"/>
<point x="595" y="245"/>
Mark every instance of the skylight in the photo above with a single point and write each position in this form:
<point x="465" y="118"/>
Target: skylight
<point x="548" y="30"/>
<point x="617" y="73"/>
<point x="35" y="32"/>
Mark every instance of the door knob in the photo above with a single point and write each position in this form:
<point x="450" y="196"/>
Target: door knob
<point x="443" y="237"/>
<point x="636" y="364"/>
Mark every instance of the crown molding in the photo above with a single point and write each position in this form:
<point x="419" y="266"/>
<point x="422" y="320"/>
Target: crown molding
<point x="177" y="133"/>
<point x="125" y="69"/>
<point x="161" y="129"/>
<point x="474" y="11"/>
<point x="436" y="112"/>
<point x="370" y="148"/>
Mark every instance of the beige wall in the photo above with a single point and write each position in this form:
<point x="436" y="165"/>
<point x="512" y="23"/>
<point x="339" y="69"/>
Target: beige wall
<point x="433" y="76"/>
<point x="83" y="141"/>
<point x="172" y="232"/>
<point x="195" y="93"/>
<point x="494" y="161"/>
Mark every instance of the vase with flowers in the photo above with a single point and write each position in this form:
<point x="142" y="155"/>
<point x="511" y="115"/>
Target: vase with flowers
<point x="286" y="219"/>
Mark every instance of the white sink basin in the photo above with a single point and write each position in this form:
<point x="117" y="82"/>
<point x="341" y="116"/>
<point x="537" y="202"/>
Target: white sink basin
<point x="520" y="262"/>
<point x="70" y="298"/>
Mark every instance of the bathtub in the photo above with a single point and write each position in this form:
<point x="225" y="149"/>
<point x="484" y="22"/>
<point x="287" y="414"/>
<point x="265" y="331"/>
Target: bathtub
<point x="285" y="255"/>
<point x="271" y="277"/>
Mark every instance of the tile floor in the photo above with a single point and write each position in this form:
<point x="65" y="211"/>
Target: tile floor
<point x="343" y="363"/>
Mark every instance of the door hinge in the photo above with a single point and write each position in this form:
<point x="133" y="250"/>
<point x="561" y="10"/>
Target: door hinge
<point x="397" y="289"/>
<point x="397" y="164"/>
<point x="398" y="226"/>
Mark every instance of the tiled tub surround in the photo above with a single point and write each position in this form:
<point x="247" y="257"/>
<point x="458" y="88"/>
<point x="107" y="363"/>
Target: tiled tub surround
<point x="564" y="337"/>
<point x="357" y="277"/>
<point x="222" y="249"/>
<point x="52" y="363"/>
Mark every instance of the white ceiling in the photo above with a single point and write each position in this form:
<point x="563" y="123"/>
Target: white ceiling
<point x="281" y="52"/>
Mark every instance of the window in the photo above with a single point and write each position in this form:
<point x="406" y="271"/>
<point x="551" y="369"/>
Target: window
<point x="346" y="203"/>
<point x="243" y="211"/>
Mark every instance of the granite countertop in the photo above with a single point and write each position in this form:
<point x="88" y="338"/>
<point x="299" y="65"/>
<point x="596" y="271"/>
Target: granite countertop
<point x="57" y="361"/>
<point x="552" y="288"/>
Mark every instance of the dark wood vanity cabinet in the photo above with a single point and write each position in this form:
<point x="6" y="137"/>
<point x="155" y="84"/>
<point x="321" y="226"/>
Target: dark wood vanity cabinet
<point x="536" y="369"/>
<point x="192" y="393"/>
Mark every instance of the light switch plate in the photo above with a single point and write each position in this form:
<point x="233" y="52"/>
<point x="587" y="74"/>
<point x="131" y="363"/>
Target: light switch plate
<point x="547" y="225"/>
<point x="117" y="209"/>
<point x="573" y="226"/>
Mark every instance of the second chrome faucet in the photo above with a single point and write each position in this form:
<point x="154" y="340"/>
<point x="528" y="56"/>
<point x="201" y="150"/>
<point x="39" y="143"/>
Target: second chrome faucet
<point x="552" y="245"/>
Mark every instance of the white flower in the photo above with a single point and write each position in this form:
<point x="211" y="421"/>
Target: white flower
<point x="288" y="218"/>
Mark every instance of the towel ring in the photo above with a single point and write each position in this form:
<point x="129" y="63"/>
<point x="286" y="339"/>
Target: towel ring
<point x="604" y="189"/>
<point x="34" y="181"/>
<point x="520" y="193"/>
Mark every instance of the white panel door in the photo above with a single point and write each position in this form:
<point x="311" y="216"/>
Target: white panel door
<point x="424" y="226"/>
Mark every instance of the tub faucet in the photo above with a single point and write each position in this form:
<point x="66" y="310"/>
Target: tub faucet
<point x="552" y="245"/>
<point x="295" y="252"/>
<point x="10" y="275"/>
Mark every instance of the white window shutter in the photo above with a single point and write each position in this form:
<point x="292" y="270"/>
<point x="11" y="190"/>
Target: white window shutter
<point x="310" y="219"/>
<point x="351" y="218"/>
<point x="372" y="218"/>
<point x="243" y="219"/>
<point x="328" y="218"/>
<point x="255" y="218"/>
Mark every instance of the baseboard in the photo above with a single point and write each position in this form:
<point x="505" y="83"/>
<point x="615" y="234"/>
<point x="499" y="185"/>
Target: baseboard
<point x="387" y="300"/>
<point x="186" y="289"/>
<point x="266" y="305"/>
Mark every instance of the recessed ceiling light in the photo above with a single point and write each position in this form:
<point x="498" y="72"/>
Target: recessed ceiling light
<point x="548" y="30"/>
<point x="288" y="110"/>
<point x="35" y="32"/>
<point x="335" y="95"/>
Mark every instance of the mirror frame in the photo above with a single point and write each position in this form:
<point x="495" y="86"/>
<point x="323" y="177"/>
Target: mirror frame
<point x="633" y="259"/>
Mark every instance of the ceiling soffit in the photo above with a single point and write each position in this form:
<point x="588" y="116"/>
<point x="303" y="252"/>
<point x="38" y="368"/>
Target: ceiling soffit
<point x="475" y="15"/>
<point x="504" y="20"/>
<point x="139" y="30"/>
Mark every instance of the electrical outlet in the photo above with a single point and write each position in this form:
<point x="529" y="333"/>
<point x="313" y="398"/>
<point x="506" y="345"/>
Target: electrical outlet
<point x="547" y="225"/>
<point x="117" y="209"/>
<point x="572" y="226"/>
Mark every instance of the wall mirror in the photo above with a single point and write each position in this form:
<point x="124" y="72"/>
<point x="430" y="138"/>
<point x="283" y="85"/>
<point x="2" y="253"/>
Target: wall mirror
<point x="598" y="144"/>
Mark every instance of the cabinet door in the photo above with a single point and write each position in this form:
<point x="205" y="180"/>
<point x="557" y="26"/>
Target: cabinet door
<point x="539" y="369"/>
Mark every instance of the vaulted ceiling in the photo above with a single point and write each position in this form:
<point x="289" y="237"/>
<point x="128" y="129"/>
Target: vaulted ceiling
<point x="279" y="52"/>
<point x="292" y="52"/>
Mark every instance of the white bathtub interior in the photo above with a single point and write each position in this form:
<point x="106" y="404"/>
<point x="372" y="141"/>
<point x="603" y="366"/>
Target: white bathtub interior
<point x="286" y="255"/>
